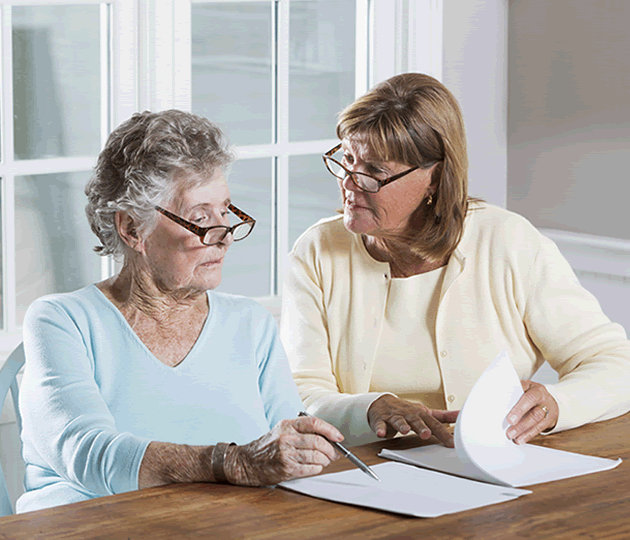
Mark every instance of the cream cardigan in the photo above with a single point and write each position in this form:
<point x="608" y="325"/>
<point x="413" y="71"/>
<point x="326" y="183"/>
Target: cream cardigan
<point x="505" y="287"/>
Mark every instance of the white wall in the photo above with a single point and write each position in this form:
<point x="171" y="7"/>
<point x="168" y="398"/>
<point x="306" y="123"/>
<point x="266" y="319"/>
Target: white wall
<point x="569" y="135"/>
<point x="569" y="114"/>
<point x="475" y="70"/>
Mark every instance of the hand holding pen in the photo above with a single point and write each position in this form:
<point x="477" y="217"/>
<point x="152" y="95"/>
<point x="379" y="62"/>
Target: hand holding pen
<point x="346" y="453"/>
<point x="294" y="448"/>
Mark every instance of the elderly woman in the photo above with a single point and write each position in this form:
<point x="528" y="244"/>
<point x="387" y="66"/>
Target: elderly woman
<point x="392" y="311"/>
<point x="144" y="379"/>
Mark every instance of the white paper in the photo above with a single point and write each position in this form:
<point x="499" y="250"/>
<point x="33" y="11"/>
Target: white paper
<point x="404" y="489"/>
<point x="483" y="451"/>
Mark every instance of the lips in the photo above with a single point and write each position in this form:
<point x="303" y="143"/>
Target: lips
<point x="353" y="204"/>
<point x="212" y="263"/>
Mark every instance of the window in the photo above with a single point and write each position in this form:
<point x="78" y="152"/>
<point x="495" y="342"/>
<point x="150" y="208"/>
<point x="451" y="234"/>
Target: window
<point x="273" y="73"/>
<point x="58" y="103"/>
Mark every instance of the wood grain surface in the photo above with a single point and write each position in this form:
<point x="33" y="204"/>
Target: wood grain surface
<point x="595" y="506"/>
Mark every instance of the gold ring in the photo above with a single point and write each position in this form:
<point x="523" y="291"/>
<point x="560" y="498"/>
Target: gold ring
<point x="545" y="410"/>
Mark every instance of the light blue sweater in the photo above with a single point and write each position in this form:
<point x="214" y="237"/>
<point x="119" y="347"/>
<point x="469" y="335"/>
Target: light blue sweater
<point x="93" y="396"/>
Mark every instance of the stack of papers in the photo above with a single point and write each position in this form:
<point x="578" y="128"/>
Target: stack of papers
<point x="482" y="450"/>
<point x="484" y="468"/>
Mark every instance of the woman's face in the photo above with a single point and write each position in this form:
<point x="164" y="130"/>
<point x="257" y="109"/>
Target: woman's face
<point x="389" y="210"/>
<point x="177" y="259"/>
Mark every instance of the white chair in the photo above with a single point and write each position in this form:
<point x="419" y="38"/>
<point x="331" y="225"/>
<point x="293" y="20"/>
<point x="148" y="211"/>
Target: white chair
<point x="8" y="381"/>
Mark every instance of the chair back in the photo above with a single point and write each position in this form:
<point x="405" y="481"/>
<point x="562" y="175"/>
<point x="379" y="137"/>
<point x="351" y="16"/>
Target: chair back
<point x="8" y="381"/>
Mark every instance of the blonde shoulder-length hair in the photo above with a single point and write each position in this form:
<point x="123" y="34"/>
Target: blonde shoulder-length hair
<point x="415" y="120"/>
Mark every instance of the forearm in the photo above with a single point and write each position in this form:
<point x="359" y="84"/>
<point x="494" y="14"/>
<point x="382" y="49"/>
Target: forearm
<point x="167" y="463"/>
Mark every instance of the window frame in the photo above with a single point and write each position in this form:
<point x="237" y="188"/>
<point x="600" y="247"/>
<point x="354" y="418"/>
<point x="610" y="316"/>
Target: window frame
<point x="393" y="36"/>
<point x="119" y="100"/>
<point x="149" y="53"/>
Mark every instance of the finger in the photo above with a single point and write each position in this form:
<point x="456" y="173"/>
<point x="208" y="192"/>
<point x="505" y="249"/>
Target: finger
<point x="399" y="423"/>
<point x="530" y="398"/>
<point x="380" y="428"/>
<point x="312" y="424"/>
<point x="528" y="435"/>
<point x="419" y="426"/>
<point x="312" y="457"/>
<point x="437" y="429"/>
<point x="446" y="417"/>
<point x="531" y="425"/>
<point x="315" y="443"/>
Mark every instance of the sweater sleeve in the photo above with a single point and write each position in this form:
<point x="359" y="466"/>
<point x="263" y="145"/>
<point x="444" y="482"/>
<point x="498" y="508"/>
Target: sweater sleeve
<point x="590" y="353"/>
<point x="65" y="419"/>
<point x="304" y="332"/>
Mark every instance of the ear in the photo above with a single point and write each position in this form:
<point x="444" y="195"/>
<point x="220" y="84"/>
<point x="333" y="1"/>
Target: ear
<point x="127" y="230"/>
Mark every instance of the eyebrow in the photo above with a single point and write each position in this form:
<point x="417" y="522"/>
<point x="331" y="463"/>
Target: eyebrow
<point x="370" y="161"/>
<point x="227" y="202"/>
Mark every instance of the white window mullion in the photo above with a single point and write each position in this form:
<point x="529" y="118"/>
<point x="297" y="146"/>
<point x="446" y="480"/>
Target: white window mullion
<point x="362" y="68"/>
<point x="124" y="61"/>
<point x="425" y="35"/>
<point x="8" y="177"/>
<point x="182" y="55"/>
<point x="282" y="162"/>
<point x="166" y="55"/>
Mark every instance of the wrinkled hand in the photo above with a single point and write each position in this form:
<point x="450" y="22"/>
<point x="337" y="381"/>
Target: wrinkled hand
<point x="389" y="415"/>
<point x="528" y="417"/>
<point x="292" y="449"/>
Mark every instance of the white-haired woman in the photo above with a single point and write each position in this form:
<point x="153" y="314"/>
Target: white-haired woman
<point x="145" y="378"/>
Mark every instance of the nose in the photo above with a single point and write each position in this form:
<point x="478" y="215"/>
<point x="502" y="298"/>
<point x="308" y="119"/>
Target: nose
<point x="228" y="240"/>
<point x="348" y="184"/>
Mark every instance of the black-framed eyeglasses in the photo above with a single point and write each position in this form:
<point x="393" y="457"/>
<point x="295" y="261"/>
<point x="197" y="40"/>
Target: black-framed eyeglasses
<point x="210" y="236"/>
<point x="363" y="181"/>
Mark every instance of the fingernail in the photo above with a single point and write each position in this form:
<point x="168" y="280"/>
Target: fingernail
<point x="510" y="433"/>
<point x="512" y="419"/>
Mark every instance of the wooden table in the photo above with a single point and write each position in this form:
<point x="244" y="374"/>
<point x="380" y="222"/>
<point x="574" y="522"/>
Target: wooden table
<point x="595" y="506"/>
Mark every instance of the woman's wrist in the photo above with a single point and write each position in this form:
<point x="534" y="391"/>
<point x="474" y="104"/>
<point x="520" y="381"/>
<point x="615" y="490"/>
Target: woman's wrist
<point x="234" y="466"/>
<point x="217" y="462"/>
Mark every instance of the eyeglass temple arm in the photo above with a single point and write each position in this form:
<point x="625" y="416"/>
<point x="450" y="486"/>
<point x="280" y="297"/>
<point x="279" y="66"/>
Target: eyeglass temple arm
<point x="240" y="214"/>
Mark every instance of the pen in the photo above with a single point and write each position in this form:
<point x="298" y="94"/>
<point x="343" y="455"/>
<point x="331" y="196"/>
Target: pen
<point x="349" y="455"/>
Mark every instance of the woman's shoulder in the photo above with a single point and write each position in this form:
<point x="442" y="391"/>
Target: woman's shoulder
<point x="74" y="303"/>
<point x="328" y="233"/>
<point x="489" y="223"/>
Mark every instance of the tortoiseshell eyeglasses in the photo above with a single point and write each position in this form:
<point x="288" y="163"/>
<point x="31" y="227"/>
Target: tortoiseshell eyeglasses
<point x="365" y="182"/>
<point x="211" y="236"/>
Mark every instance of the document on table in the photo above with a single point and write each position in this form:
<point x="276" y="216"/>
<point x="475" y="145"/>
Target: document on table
<point x="482" y="450"/>
<point x="404" y="489"/>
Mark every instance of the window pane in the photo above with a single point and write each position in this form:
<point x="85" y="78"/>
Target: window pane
<point x="231" y="68"/>
<point x="54" y="243"/>
<point x="321" y="70"/>
<point x="313" y="194"/>
<point x="247" y="268"/>
<point x="56" y="81"/>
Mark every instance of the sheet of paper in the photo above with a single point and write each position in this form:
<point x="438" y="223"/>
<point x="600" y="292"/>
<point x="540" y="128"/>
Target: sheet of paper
<point x="482" y="450"/>
<point x="541" y="464"/>
<point x="404" y="489"/>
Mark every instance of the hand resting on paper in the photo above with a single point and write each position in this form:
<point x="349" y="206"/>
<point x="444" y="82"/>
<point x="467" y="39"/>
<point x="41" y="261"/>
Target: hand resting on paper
<point x="292" y="449"/>
<point x="528" y="417"/>
<point x="389" y="415"/>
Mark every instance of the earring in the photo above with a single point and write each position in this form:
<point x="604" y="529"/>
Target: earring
<point x="430" y="200"/>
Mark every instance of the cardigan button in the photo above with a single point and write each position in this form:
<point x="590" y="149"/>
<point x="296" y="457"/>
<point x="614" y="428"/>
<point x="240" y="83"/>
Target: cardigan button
<point x="451" y="398"/>
<point x="443" y="354"/>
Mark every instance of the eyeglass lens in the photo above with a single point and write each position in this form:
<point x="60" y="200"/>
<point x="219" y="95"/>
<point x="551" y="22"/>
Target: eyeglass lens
<point x="240" y="231"/>
<point x="363" y="181"/>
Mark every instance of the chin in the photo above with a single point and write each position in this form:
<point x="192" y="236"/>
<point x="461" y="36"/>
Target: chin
<point x="356" y="225"/>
